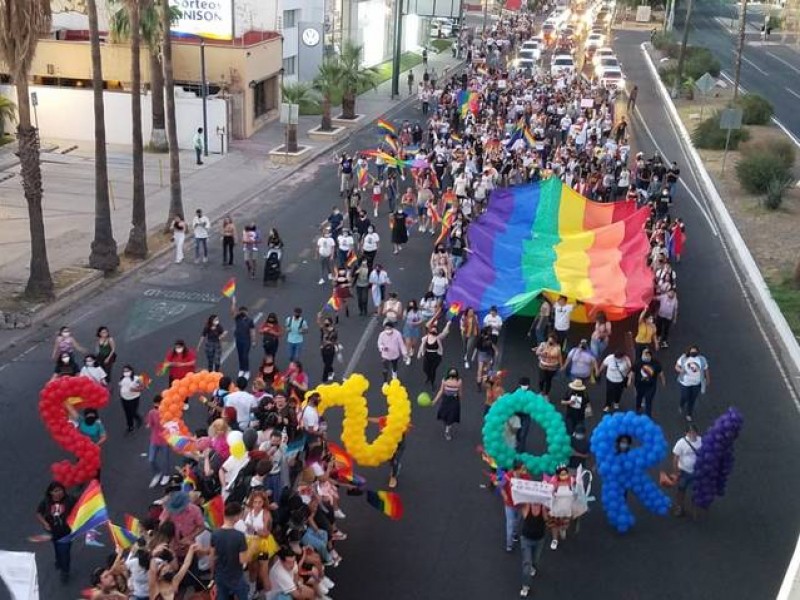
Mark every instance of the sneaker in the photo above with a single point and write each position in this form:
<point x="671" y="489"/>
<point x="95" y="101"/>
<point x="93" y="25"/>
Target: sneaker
<point x="447" y="435"/>
<point x="164" y="480"/>
<point x="466" y="364"/>
<point x="509" y="549"/>
<point x="554" y="545"/>
<point x="515" y="538"/>
<point x="339" y="514"/>
<point x="665" y="344"/>
<point x="688" y="418"/>
<point x="616" y="407"/>
<point x="328" y="582"/>
<point x="338" y="536"/>
<point x="523" y="593"/>
<point x="205" y="259"/>
<point x="407" y="360"/>
<point x="321" y="281"/>
<point x="154" y="481"/>
<point x="392" y="482"/>
<point x="533" y="572"/>
<point x="375" y="213"/>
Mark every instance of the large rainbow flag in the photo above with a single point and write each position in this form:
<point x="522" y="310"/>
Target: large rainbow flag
<point x="547" y="238"/>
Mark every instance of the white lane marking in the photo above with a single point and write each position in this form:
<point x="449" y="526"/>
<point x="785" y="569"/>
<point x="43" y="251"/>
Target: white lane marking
<point x="754" y="65"/>
<point x="688" y="162"/>
<point x="19" y="356"/>
<point x="783" y="62"/>
<point x="229" y="350"/>
<point x="369" y="330"/>
<point x="792" y="92"/>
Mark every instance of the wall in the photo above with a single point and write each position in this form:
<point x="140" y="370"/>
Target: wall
<point x="55" y="103"/>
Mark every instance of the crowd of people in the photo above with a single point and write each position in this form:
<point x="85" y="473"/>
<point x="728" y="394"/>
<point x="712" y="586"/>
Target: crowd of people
<point x="281" y="528"/>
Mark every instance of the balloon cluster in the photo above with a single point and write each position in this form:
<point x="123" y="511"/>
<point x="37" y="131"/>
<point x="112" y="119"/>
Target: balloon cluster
<point x="543" y="413"/>
<point x="171" y="408"/>
<point x="715" y="458"/>
<point x="82" y="393"/>
<point x="350" y="395"/>
<point x="626" y="470"/>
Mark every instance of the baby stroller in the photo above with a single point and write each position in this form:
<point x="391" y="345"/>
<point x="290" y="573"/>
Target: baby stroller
<point x="272" y="267"/>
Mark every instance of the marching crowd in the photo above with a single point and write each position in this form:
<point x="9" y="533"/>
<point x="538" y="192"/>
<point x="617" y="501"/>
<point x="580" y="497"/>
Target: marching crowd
<point x="254" y="506"/>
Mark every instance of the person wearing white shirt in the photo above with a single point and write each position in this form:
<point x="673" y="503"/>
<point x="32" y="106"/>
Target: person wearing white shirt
<point x="200" y="227"/>
<point x="346" y="243"/>
<point x="130" y="389"/>
<point x="325" y="247"/>
<point x="93" y="371"/>
<point x="494" y="321"/>
<point x="693" y="376"/>
<point x="561" y="319"/>
<point x="243" y="402"/>
<point x="617" y="367"/>
<point x="684" y="457"/>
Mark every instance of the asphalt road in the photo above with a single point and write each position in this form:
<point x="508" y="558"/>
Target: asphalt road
<point x="770" y="69"/>
<point x="450" y="543"/>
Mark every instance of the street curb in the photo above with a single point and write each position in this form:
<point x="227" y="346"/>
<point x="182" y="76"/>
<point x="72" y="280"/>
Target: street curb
<point x="735" y="241"/>
<point x="97" y="282"/>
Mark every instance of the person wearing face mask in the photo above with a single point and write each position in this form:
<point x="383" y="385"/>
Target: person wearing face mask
<point x="449" y="393"/>
<point x="271" y="332"/>
<point x="580" y="363"/>
<point x="325" y="248"/>
<point x="684" y="457"/>
<point x="694" y="377"/>
<point x="130" y="390"/>
<point x="65" y="366"/>
<point x="369" y="246"/>
<point x="430" y="352"/>
<point x="399" y="230"/>
<point x="89" y="423"/>
<point x="617" y="367"/>
<point x="440" y="261"/>
<point x="52" y="513"/>
<point x="93" y="371"/>
<point x="211" y="342"/>
<point x="647" y="371"/>
<point x="550" y="360"/>
<point x="179" y="361"/>
<point x="64" y="342"/>
<point x="439" y="284"/>
<point x="666" y="316"/>
<point x="581" y="454"/>
<point x="561" y="510"/>
<point x="578" y="405"/>
<point x="646" y="333"/>
<point x="328" y="340"/>
<point x="244" y="336"/>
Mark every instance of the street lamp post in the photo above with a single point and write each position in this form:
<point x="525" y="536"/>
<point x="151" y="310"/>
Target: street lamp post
<point x="204" y="94"/>
<point x="740" y="49"/>
<point x="398" y="47"/>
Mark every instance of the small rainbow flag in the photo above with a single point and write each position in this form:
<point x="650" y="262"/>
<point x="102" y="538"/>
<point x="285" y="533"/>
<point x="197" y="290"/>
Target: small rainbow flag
<point x="162" y="369"/>
<point x="454" y="309"/>
<point x="435" y="179"/>
<point x="229" y="289"/>
<point x="214" y="511"/>
<point x="334" y="303"/>
<point x="133" y="525"/>
<point x="387" y="127"/>
<point x="434" y="213"/>
<point x="89" y="512"/>
<point x="145" y="379"/>
<point x="456" y="138"/>
<point x="391" y="142"/>
<point x="388" y="503"/>
<point x="189" y="483"/>
<point x="279" y="382"/>
<point x="123" y="538"/>
<point x="180" y="443"/>
<point x="363" y="177"/>
<point x="531" y="141"/>
<point x="352" y="259"/>
<point x="340" y="457"/>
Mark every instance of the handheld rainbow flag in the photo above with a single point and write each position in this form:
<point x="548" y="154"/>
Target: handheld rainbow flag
<point x="387" y="127"/>
<point x="529" y="139"/>
<point x="133" y="525"/>
<point x="352" y="259"/>
<point x="189" y="483"/>
<point x="456" y="138"/>
<point x="340" y="457"/>
<point x="145" y="379"/>
<point x="363" y="177"/>
<point x="391" y="142"/>
<point x="214" y="512"/>
<point x="388" y="503"/>
<point x="547" y="238"/>
<point x="182" y="444"/>
<point x="122" y="537"/>
<point x="334" y="303"/>
<point x="90" y="511"/>
<point x="162" y="369"/>
<point x="454" y="310"/>
<point x="229" y="289"/>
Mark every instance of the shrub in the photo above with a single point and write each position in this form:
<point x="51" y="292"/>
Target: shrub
<point x="780" y="150"/>
<point x="757" y="109"/>
<point x="661" y="41"/>
<point x="757" y="170"/>
<point x="700" y="62"/>
<point x="775" y="190"/>
<point x="709" y="136"/>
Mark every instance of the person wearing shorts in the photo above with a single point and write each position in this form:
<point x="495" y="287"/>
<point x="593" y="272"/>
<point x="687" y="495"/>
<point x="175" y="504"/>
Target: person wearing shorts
<point x="684" y="457"/>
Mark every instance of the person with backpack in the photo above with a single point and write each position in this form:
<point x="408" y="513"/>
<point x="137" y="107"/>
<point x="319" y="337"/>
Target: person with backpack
<point x="684" y="457"/>
<point x="296" y="329"/>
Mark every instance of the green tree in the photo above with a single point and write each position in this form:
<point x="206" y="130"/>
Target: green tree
<point x="103" y="255"/>
<point x="21" y="24"/>
<point x="354" y="78"/>
<point x="137" y="238"/>
<point x="8" y="113"/>
<point x="327" y="83"/>
<point x="175" y="194"/>
<point x="295" y="93"/>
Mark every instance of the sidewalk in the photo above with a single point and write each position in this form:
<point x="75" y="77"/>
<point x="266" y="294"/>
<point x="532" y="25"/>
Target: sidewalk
<point x="219" y="186"/>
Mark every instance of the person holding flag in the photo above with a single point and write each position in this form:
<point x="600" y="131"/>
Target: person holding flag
<point x="52" y="513"/>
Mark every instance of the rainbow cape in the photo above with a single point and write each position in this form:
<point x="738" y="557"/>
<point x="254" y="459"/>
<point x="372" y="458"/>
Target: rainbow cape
<point x="89" y="512"/>
<point x="388" y="503"/>
<point x="547" y="238"/>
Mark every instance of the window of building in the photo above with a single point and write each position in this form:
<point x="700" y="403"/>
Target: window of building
<point x="290" y="18"/>
<point x="289" y="65"/>
<point x="264" y="94"/>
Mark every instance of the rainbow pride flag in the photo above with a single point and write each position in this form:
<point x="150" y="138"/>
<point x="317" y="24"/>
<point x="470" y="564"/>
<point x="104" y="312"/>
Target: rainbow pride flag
<point x="387" y="127"/>
<point x="388" y="503"/>
<point x="341" y="458"/>
<point x="133" y="525"/>
<point x="229" y="289"/>
<point x="547" y="238"/>
<point x="89" y="512"/>
<point x="123" y="538"/>
<point x="214" y="512"/>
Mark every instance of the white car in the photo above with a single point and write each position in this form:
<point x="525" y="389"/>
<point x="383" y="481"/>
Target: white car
<point x="525" y="64"/>
<point x="606" y="63"/>
<point x="595" y="40"/>
<point x="603" y="52"/>
<point x="529" y="54"/>
<point x="441" y="28"/>
<point x="562" y="63"/>
<point x="530" y="49"/>
<point x="612" y="79"/>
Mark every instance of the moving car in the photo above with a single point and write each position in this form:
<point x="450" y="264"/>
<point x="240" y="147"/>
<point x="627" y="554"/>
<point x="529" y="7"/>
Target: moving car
<point x="600" y="53"/>
<point x="612" y="79"/>
<point x="562" y="63"/>
<point x="531" y="47"/>
<point x="606" y="63"/>
<point x="525" y="64"/>
<point x="595" y="40"/>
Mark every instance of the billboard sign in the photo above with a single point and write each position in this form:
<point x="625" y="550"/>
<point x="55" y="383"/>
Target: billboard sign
<point x="208" y="19"/>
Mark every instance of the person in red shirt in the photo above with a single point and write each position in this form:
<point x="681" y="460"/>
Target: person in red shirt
<point x="158" y="454"/>
<point x="180" y="361"/>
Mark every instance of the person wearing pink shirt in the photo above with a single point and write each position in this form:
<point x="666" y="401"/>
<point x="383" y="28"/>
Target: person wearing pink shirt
<point x="391" y="347"/>
<point x="158" y="454"/>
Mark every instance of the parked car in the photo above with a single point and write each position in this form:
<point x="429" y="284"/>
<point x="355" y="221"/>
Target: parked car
<point x="612" y="79"/>
<point x="595" y="40"/>
<point x="562" y="63"/>
<point x="600" y="53"/>
<point x="606" y="63"/>
<point x="531" y="47"/>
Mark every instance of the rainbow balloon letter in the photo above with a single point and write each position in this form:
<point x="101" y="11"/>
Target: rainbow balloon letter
<point x="623" y="471"/>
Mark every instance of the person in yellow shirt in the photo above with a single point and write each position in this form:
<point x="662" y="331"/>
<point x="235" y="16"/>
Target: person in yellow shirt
<point x="646" y="336"/>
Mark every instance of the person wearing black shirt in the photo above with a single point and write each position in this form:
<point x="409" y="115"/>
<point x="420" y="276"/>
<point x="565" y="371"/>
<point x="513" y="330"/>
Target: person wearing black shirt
<point x="580" y="448"/>
<point x="673" y="173"/>
<point x="346" y="174"/>
<point x="244" y="334"/>
<point x="532" y="529"/>
<point x="52" y="513"/>
<point x="646" y="373"/>
<point x="229" y="548"/>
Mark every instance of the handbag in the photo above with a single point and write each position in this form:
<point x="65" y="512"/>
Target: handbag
<point x="583" y="489"/>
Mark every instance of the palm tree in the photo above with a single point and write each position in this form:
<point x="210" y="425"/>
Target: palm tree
<point x="327" y="83"/>
<point x="21" y="23"/>
<point x="103" y="255"/>
<point x="175" y="198"/>
<point x="295" y="93"/>
<point x="8" y="113"/>
<point x="354" y="79"/>
<point x="137" y="238"/>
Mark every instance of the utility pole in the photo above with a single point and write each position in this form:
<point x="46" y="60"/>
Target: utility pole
<point x="676" y="86"/>
<point x="740" y="49"/>
<point x="485" y="13"/>
<point x="398" y="48"/>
